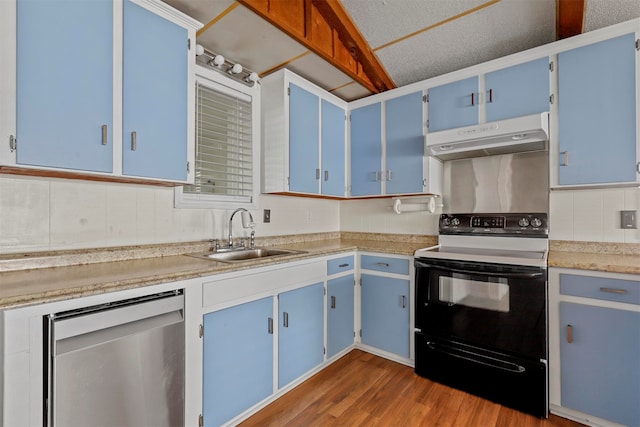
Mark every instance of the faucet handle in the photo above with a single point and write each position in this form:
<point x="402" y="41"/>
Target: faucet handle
<point x="215" y="244"/>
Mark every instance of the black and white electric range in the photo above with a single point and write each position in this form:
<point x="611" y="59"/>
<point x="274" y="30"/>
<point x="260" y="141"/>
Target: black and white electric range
<point x="481" y="308"/>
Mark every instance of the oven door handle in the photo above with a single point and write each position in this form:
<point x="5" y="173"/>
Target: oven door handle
<point x="505" y="274"/>
<point x="477" y="358"/>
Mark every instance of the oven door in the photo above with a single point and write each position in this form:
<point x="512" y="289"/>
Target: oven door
<point x="494" y="306"/>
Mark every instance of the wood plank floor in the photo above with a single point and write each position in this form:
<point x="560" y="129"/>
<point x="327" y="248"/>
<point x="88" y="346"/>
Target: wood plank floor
<point x="361" y="389"/>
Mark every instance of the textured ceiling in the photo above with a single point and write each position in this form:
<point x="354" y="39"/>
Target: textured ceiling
<point x="413" y="39"/>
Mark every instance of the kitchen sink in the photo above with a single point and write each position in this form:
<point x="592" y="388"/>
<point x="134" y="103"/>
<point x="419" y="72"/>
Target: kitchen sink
<point x="238" y="255"/>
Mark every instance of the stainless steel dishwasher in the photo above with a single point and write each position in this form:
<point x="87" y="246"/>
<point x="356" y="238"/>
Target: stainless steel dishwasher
<point x="116" y="364"/>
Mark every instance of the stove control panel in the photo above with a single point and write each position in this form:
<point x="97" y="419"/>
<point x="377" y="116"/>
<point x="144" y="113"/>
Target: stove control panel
<point x="510" y="224"/>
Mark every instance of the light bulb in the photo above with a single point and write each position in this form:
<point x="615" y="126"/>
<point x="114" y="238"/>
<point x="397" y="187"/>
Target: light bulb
<point x="199" y="50"/>
<point x="218" y="60"/>
<point x="253" y="77"/>
<point x="236" y="69"/>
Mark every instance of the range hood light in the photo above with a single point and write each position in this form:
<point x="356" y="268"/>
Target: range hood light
<point x="519" y="137"/>
<point x="446" y="147"/>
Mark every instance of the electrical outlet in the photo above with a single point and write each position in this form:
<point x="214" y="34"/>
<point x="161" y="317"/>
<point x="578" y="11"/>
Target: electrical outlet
<point x="628" y="219"/>
<point x="266" y="216"/>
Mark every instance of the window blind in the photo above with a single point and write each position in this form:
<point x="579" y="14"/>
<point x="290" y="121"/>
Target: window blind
<point x="224" y="148"/>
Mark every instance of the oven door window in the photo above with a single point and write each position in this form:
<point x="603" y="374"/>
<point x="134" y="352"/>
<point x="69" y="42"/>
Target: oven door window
<point x="458" y="289"/>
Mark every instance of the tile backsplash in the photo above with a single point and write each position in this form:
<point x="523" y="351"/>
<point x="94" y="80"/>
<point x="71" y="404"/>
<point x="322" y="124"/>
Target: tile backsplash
<point x="38" y="214"/>
<point x="592" y="215"/>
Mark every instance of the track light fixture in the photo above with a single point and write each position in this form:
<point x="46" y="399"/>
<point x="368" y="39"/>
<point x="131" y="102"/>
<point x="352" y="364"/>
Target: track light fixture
<point x="221" y="64"/>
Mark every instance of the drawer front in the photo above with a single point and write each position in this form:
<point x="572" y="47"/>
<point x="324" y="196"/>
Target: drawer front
<point x="389" y="265"/>
<point x="627" y="291"/>
<point x="339" y="265"/>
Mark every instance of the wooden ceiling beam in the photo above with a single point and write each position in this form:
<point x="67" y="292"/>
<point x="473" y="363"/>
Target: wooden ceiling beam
<point x="325" y="28"/>
<point x="570" y="16"/>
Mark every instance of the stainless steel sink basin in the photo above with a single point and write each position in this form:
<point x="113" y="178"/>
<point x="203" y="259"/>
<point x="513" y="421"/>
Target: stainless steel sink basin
<point x="244" y="254"/>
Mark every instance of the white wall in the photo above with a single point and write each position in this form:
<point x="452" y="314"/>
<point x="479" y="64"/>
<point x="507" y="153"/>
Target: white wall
<point x="39" y="214"/>
<point x="376" y="216"/>
<point x="592" y="215"/>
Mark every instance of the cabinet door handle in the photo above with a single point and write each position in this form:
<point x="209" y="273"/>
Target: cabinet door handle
<point x="104" y="134"/>
<point x="317" y="173"/>
<point x="382" y="264"/>
<point x="285" y="319"/>
<point x="270" y="325"/>
<point x="565" y="161"/>
<point x="333" y="301"/>
<point x="490" y="95"/>
<point x="389" y="176"/>
<point x="614" y="291"/>
<point x="569" y="334"/>
<point x="473" y="99"/>
<point x="326" y="175"/>
<point x="134" y="141"/>
<point x="377" y="176"/>
<point x="404" y="301"/>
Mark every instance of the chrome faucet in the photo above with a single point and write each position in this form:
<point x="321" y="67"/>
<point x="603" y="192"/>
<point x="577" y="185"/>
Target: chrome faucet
<point x="250" y="225"/>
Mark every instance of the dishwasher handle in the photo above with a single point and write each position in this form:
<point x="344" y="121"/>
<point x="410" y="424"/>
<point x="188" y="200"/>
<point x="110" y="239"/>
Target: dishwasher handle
<point x="152" y="313"/>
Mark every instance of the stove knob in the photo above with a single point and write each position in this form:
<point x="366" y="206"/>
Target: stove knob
<point x="455" y="222"/>
<point x="524" y="222"/>
<point x="445" y="221"/>
<point x="536" y="222"/>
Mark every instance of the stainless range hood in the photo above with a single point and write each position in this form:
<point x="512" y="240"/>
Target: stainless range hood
<point x="526" y="133"/>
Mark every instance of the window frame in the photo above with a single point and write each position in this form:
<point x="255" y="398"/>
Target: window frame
<point x="217" y="81"/>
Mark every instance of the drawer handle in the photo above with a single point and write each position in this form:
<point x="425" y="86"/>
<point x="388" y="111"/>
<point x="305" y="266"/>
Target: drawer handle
<point x="333" y="301"/>
<point x="569" y="334"/>
<point x="382" y="264"/>
<point x="285" y="319"/>
<point x="343" y="265"/>
<point x="614" y="291"/>
<point x="270" y="325"/>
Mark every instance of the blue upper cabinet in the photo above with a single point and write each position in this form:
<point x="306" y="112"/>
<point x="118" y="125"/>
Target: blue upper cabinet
<point x="333" y="149"/>
<point x="404" y="144"/>
<point x="597" y="113"/>
<point x="366" y="150"/>
<point x="516" y="91"/>
<point x="454" y="105"/>
<point x="304" y="133"/>
<point x="65" y="84"/>
<point x="301" y="332"/>
<point x="155" y="79"/>
<point x="67" y="105"/>
<point x="303" y="137"/>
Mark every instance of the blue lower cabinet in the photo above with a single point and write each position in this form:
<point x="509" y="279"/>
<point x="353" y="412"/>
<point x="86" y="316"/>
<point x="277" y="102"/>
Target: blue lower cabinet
<point x="301" y="332"/>
<point x="600" y="362"/>
<point x="385" y="313"/>
<point x="238" y="360"/>
<point x="340" y="328"/>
